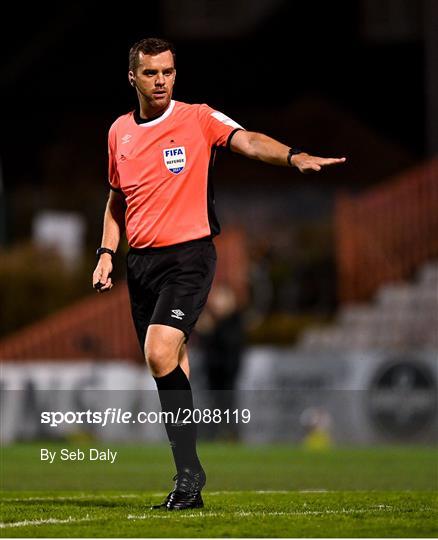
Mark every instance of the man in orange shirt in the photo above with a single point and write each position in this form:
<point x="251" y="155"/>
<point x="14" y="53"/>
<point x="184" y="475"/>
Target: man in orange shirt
<point x="159" y="159"/>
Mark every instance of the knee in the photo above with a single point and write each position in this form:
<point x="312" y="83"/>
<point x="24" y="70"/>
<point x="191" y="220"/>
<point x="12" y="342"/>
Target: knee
<point x="159" y="358"/>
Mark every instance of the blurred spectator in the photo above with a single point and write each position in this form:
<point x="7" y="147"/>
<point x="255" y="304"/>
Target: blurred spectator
<point x="317" y="423"/>
<point x="221" y="333"/>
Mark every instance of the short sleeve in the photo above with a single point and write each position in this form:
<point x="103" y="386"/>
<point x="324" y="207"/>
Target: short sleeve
<point x="113" y="174"/>
<point x="216" y="126"/>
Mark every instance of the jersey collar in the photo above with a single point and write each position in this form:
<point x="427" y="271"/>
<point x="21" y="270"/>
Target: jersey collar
<point x="149" y="123"/>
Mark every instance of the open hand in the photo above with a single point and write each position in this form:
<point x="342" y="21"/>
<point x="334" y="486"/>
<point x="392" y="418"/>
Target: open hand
<point x="307" y="163"/>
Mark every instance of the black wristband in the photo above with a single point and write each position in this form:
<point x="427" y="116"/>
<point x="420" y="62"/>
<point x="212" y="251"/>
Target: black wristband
<point x="292" y="152"/>
<point x="101" y="250"/>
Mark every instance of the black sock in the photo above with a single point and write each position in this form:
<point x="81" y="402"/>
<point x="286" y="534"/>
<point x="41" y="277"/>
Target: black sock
<point x="176" y="394"/>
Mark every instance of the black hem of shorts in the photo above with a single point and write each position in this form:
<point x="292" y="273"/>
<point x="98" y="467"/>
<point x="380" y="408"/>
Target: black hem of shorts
<point x="186" y="334"/>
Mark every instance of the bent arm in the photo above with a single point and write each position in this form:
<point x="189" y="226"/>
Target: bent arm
<point x="259" y="146"/>
<point x="113" y="220"/>
<point x="113" y="227"/>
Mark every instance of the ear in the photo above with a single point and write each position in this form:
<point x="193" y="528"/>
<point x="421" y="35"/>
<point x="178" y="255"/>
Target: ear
<point x="131" y="78"/>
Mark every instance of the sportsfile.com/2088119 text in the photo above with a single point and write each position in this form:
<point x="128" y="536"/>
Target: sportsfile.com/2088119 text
<point x="113" y="415"/>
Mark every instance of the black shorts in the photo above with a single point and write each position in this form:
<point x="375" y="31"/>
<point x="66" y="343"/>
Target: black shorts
<point x="170" y="285"/>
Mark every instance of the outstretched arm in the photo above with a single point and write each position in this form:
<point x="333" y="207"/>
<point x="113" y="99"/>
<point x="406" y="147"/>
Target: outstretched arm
<point x="258" y="146"/>
<point x="113" y="226"/>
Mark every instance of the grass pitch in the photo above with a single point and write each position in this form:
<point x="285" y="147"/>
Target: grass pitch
<point x="265" y="491"/>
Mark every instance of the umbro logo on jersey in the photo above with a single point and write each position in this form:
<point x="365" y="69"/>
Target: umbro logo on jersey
<point x="126" y="138"/>
<point x="177" y="314"/>
<point x="175" y="159"/>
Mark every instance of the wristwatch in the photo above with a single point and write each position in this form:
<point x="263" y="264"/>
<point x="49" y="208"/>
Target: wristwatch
<point x="292" y="152"/>
<point x="101" y="250"/>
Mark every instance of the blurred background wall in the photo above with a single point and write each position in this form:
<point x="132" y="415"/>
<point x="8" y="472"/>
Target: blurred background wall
<point x="336" y="269"/>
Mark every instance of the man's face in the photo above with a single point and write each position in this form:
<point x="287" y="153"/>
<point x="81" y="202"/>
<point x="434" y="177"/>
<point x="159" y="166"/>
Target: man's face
<point x="155" y="77"/>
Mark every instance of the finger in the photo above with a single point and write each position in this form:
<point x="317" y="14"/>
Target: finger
<point x="106" y="288"/>
<point x="96" y="279"/>
<point x="103" y="277"/>
<point x="330" y="161"/>
<point x="107" y="285"/>
<point x="310" y="168"/>
<point x="100" y="279"/>
<point x="313" y="165"/>
<point x="96" y="273"/>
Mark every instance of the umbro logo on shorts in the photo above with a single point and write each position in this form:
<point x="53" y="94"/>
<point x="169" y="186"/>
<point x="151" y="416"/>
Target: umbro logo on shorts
<point x="177" y="314"/>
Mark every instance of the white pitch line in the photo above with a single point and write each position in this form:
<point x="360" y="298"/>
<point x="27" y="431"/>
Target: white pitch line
<point x="253" y="492"/>
<point x="49" y="521"/>
<point x="157" y="494"/>
<point x="267" y="492"/>
<point x="262" y="491"/>
<point x="70" y="498"/>
<point x="202" y="514"/>
<point x="172" y="515"/>
<point x="315" y="491"/>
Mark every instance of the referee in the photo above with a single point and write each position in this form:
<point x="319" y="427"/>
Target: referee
<point x="159" y="158"/>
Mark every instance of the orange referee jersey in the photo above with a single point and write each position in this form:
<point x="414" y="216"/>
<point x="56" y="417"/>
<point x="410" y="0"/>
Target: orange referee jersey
<point x="161" y="166"/>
